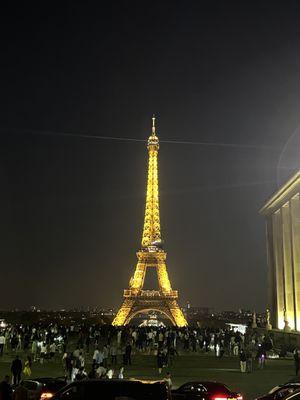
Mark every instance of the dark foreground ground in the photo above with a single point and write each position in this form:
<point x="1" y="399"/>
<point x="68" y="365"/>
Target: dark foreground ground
<point x="188" y="367"/>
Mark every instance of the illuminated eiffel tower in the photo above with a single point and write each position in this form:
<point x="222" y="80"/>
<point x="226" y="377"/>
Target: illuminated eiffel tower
<point x="151" y="255"/>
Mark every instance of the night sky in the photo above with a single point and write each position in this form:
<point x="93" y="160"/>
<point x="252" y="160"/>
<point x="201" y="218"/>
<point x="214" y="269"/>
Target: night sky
<point x="72" y="207"/>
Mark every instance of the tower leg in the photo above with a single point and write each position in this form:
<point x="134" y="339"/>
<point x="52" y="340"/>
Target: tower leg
<point x="123" y="313"/>
<point x="163" y="277"/>
<point x="177" y="314"/>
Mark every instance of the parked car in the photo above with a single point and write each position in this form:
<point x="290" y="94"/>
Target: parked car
<point x="114" y="389"/>
<point x="42" y="388"/>
<point x="280" y="391"/>
<point x="205" y="391"/>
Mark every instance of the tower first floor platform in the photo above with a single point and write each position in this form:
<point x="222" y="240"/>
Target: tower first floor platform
<point x="282" y="214"/>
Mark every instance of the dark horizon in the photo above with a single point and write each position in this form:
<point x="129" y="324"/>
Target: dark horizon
<point x="223" y="82"/>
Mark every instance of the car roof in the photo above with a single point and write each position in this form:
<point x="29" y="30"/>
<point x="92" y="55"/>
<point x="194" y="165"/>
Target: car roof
<point x="291" y="384"/>
<point x="138" y="384"/>
<point x="133" y="381"/>
<point x="204" y="383"/>
<point x="44" y="379"/>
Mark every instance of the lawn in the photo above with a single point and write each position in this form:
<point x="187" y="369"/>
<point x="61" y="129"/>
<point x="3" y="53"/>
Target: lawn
<point x="188" y="367"/>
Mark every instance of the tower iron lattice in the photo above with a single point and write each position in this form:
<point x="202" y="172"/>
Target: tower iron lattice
<point x="151" y="255"/>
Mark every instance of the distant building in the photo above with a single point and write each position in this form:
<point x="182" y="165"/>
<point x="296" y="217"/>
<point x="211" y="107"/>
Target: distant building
<point x="198" y="311"/>
<point x="282" y="214"/>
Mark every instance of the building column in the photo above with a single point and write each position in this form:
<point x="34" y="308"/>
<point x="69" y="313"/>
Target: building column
<point x="278" y="258"/>
<point x="272" y="292"/>
<point x="295" y="239"/>
<point x="288" y="265"/>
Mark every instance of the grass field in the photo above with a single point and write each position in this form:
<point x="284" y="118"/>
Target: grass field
<point x="188" y="367"/>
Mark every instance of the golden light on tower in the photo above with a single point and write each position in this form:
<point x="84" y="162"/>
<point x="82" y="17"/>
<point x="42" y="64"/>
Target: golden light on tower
<point x="164" y="300"/>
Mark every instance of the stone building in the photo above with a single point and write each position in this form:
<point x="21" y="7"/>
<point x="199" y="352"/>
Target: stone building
<point x="282" y="213"/>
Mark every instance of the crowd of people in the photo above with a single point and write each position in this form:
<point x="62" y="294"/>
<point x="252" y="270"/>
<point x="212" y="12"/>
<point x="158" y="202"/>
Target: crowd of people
<point x="99" y="352"/>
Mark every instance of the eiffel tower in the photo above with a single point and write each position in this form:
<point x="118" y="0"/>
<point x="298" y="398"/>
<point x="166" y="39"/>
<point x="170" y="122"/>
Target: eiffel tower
<point x="151" y="255"/>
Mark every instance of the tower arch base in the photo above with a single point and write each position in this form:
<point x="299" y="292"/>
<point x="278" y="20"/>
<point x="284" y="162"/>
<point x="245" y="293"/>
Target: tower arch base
<point x="131" y="308"/>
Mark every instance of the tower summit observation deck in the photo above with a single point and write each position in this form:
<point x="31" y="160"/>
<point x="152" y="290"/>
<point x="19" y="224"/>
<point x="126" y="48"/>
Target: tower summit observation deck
<point x="151" y="255"/>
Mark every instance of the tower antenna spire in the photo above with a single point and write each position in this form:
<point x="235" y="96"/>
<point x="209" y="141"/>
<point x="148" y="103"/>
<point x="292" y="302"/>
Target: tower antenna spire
<point x="153" y="124"/>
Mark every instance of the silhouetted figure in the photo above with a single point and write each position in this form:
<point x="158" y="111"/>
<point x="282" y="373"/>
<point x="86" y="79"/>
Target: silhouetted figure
<point x="16" y="370"/>
<point x="296" y="361"/>
<point x="128" y="354"/>
<point x="5" y="389"/>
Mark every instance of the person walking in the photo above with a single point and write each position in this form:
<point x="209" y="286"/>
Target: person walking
<point x="5" y="389"/>
<point x="16" y="370"/>
<point x="243" y="361"/>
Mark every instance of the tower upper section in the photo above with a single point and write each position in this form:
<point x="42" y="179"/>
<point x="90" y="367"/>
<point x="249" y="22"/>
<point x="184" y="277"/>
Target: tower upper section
<point x="151" y="230"/>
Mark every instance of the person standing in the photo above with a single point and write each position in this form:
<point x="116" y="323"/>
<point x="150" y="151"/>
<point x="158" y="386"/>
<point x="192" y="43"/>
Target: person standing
<point x="27" y="367"/>
<point x="2" y="343"/>
<point x="43" y="352"/>
<point x="34" y="349"/>
<point x="168" y="380"/>
<point x="296" y="360"/>
<point x="52" y="350"/>
<point x="128" y="354"/>
<point x="100" y="371"/>
<point x="119" y="338"/>
<point x="5" y="389"/>
<point x="113" y="354"/>
<point x="235" y="349"/>
<point x="16" y="370"/>
<point x="249" y="361"/>
<point x="121" y="372"/>
<point x="81" y="374"/>
<point x="81" y="360"/>
<point x="243" y="361"/>
<point x="261" y="355"/>
<point x="96" y="356"/>
<point x="110" y="373"/>
<point x="160" y="360"/>
<point x="105" y="353"/>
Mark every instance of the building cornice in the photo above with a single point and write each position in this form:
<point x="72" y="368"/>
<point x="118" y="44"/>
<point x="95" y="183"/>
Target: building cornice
<point x="282" y="195"/>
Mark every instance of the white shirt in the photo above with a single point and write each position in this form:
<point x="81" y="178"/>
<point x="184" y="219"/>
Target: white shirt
<point x="110" y="374"/>
<point x="2" y="339"/>
<point x="96" y="352"/>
